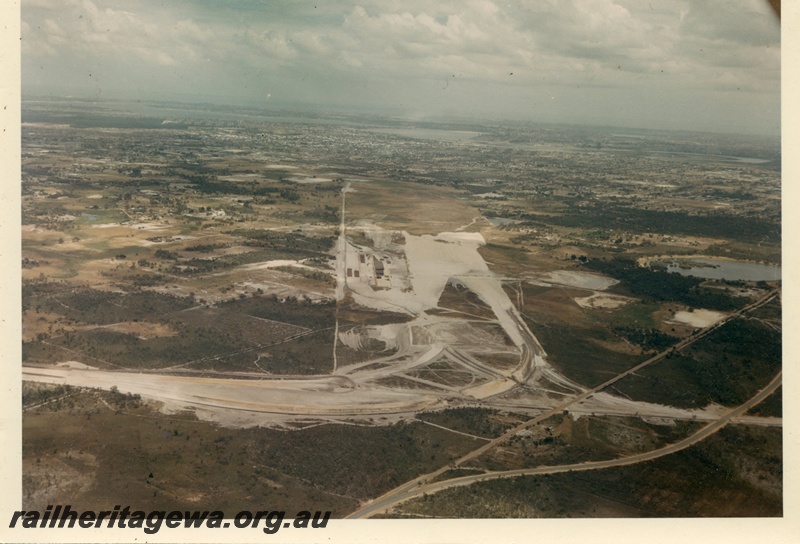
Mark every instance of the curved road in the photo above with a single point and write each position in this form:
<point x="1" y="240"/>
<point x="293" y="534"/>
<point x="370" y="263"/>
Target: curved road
<point x="408" y="490"/>
<point x="417" y="488"/>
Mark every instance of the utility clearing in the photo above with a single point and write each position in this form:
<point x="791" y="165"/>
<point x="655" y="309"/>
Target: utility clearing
<point x="416" y="349"/>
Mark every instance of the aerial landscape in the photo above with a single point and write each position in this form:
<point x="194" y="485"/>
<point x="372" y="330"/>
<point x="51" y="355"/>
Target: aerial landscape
<point x="387" y="315"/>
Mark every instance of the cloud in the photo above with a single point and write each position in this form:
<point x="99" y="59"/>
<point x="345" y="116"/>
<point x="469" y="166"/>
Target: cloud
<point x="747" y="22"/>
<point x="82" y="30"/>
<point x="477" y="41"/>
<point x="402" y="51"/>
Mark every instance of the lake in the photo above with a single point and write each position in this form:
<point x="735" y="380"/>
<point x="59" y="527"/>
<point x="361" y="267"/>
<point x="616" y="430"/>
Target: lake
<point x="718" y="269"/>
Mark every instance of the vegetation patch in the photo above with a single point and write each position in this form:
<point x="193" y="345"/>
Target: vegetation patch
<point x="626" y="218"/>
<point x="726" y="475"/>
<point x="289" y="242"/>
<point x="658" y="285"/>
<point x="304" y="313"/>
<point x="230" y="336"/>
<point x="648" y="339"/>
<point x="772" y="406"/>
<point x="310" y="354"/>
<point x="726" y="367"/>
<point x="459" y="298"/>
<point x="579" y="356"/>
<point x="483" y="422"/>
<point x="92" y="306"/>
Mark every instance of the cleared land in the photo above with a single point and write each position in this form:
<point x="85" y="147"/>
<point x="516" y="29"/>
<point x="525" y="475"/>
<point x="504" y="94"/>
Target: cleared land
<point x="328" y="322"/>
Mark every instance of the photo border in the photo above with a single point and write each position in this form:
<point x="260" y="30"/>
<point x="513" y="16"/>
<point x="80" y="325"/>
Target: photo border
<point x="617" y="530"/>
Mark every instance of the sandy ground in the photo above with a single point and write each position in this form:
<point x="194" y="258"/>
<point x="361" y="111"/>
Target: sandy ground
<point x="489" y="389"/>
<point x="417" y="269"/>
<point x="420" y="268"/>
<point x="309" y="179"/>
<point x="607" y="404"/>
<point x="169" y="239"/>
<point x="419" y="275"/>
<point x="236" y="402"/>
<point x="457" y="333"/>
<point x="277" y="263"/>
<point x="645" y="261"/>
<point x="75" y="364"/>
<point x="137" y="226"/>
<point x="431" y="262"/>
<point x="611" y="404"/>
<point x="391" y="335"/>
<point x="698" y="318"/>
<point x="573" y="278"/>
<point x="602" y="301"/>
<point x="491" y="292"/>
<point x="142" y="329"/>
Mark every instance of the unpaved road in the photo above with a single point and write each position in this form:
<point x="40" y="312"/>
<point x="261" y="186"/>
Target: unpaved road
<point x="408" y="490"/>
<point x="418" y="487"/>
<point x="238" y="401"/>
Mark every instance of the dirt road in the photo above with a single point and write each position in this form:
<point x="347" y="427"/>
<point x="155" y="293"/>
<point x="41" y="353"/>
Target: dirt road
<point x="419" y="487"/>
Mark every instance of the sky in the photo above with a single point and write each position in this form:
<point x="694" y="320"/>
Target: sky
<point x="710" y="65"/>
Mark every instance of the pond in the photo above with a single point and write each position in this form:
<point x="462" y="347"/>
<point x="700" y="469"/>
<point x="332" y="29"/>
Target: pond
<point x="718" y="269"/>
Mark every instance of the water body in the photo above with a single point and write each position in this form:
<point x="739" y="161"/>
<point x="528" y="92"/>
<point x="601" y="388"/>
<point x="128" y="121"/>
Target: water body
<point x="500" y="221"/>
<point x="725" y="158"/>
<point x="717" y="269"/>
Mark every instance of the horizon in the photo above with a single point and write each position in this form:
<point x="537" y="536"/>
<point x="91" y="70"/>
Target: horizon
<point x="311" y="112"/>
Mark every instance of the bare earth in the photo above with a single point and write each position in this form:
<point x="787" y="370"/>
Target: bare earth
<point x="698" y="318"/>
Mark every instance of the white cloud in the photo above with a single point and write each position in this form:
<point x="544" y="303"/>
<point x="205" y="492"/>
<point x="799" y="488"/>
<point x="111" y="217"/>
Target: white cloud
<point x="409" y="48"/>
<point x="477" y="41"/>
